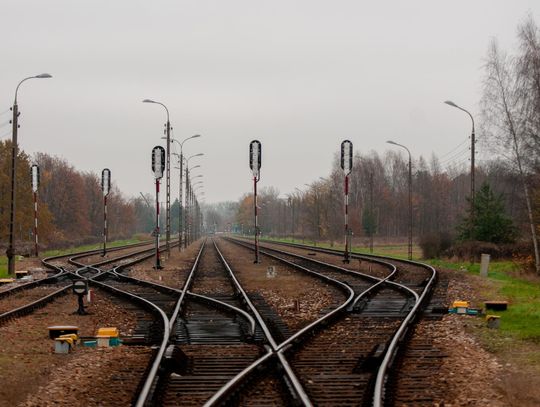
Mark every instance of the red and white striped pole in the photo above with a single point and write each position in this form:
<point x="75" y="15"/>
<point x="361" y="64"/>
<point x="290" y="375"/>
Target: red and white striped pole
<point x="346" y="166"/>
<point x="158" y="166"/>
<point x="158" y="258"/>
<point x="256" y="220"/>
<point x="34" y="172"/>
<point x="347" y="234"/>
<point x="105" y="188"/>
<point x="35" y="225"/>
<point x="104" y="225"/>
<point x="255" y="152"/>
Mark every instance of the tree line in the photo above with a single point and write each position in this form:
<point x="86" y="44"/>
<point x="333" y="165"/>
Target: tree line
<point x="378" y="198"/>
<point x="70" y="204"/>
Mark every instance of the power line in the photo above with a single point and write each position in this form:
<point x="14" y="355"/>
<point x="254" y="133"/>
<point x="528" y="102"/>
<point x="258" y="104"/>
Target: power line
<point x="456" y="156"/>
<point x="455" y="148"/>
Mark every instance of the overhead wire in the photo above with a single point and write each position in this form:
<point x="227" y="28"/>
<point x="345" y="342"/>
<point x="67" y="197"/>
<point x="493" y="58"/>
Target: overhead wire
<point x="455" y="148"/>
<point x="455" y="156"/>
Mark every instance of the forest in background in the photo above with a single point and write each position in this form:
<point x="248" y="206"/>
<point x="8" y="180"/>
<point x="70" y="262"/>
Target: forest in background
<point x="70" y="205"/>
<point x="509" y="132"/>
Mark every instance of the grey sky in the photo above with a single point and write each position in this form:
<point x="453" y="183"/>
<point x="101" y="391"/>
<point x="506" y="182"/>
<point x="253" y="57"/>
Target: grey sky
<point x="300" y="76"/>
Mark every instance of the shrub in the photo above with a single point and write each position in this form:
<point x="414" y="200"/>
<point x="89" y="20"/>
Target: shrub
<point x="434" y="244"/>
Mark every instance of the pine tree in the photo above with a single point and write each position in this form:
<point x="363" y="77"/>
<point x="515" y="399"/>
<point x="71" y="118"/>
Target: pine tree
<point x="490" y="222"/>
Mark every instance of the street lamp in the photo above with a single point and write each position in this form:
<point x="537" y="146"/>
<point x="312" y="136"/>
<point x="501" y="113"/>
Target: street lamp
<point x="473" y="142"/>
<point x="188" y="192"/>
<point x="181" y="158"/>
<point x="410" y="196"/>
<point x="168" y="178"/>
<point x="10" y="252"/>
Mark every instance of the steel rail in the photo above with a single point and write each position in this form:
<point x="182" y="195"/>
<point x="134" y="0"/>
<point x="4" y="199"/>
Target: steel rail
<point x="28" y="308"/>
<point x="158" y="356"/>
<point x="279" y="349"/>
<point x="150" y="378"/>
<point x="240" y="311"/>
<point x="378" y="396"/>
<point x="239" y="378"/>
<point x="252" y="307"/>
<point x="299" y="390"/>
<point x="385" y="280"/>
<point x="375" y="259"/>
<point x="187" y="284"/>
<point x="215" y="302"/>
<point x="391" y="351"/>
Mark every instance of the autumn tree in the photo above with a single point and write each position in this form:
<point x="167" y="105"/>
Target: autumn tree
<point x="24" y="214"/>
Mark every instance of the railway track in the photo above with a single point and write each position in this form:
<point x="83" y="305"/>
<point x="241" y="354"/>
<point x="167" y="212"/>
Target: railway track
<point x="359" y="346"/>
<point x="216" y="344"/>
<point x="25" y="298"/>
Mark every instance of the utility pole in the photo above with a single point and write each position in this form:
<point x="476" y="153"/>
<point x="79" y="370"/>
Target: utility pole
<point x="10" y="252"/>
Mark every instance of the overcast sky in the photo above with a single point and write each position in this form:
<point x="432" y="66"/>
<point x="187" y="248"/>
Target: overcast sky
<point x="300" y="76"/>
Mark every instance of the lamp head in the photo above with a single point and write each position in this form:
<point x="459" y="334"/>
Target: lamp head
<point x="391" y="142"/>
<point x="450" y="103"/>
<point x="43" y="75"/>
<point x="148" y="101"/>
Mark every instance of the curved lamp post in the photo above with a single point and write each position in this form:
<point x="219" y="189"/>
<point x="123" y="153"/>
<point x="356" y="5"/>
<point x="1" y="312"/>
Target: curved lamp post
<point x="473" y="142"/>
<point x="410" y="196"/>
<point x="181" y="159"/>
<point x="168" y="178"/>
<point x="188" y="192"/>
<point x="10" y="252"/>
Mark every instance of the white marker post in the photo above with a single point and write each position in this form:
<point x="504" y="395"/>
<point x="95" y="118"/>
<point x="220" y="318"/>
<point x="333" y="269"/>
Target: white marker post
<point x="34" y="172"/>
<point x="255" y="151"/>
<point x="158" y="167"/>
<point x="105" y="188"/>
<point x="346" y="166"/>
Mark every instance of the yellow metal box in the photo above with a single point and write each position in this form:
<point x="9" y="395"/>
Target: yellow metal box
<point x="460" y="304"/>
<point x="110" y="332"/>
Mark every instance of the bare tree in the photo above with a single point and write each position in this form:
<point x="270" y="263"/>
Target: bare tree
<point x="504" y="110"/>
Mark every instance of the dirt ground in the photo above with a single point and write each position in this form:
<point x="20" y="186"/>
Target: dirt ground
<point x="474" y="375"/>
<point x="30" y="369"/>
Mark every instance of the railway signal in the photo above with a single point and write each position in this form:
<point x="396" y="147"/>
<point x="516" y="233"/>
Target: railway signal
<point x="255" y="152"/>
<point x="34" y="174"/>
<point x="105" y="188"/>
<point x="158" y="167"/>
<point x="80" y="288"/>
<point x="346" y="166"/>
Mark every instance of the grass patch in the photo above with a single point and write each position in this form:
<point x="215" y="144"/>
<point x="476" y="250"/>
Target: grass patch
<point x="522" y="319"/>
<point x="50" y="253"/>
<point x="399" y="251"/>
